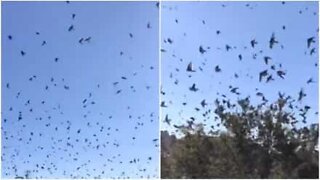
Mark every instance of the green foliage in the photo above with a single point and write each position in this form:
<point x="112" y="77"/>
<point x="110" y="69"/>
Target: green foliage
<point x="260" y="142"/>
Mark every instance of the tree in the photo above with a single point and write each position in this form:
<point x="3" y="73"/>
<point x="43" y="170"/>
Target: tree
<point x="261" y="141"/>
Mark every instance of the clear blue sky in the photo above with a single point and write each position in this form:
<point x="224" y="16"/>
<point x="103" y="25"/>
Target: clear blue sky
<point x="238" y="24"/>
<point x="90" y="67"/>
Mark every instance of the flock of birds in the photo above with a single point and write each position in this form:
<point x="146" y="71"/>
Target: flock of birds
<point x="188" y="73"/>
<point x="49" y="139"/>
<point x="40" y="139"/>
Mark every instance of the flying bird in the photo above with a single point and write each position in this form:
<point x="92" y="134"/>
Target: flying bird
<point x="217" y="69"/>
<point x="262" y="74"/>
<point x="253" y="43"/>
<point x="202" y="50"/>
<point x="310" y="41"/>
<point x="193" y="88"/>
<point x="71" y="28"/>
<point x="190" y="68"/>
<point x="272" y="41"/>
<point x="167" y="120"/>
<point x="22" y="53"/>
<point x="281" y="74"/>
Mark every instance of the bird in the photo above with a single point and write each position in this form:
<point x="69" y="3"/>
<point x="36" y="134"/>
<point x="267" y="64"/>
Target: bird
<point x="190" y="68"/>
<point x="204" y="103"/>
<point x="71" y="28"/>
<point x="131" y="35"/>
<point x="167" y="120"/>
<point x="169" y="40"/>
<point x="22" y="53"/>
<point x="312" y="51"/>
<point x="269" y="78"/>
<point x="301" y="95"/>
<point x="44" y="43"/>
<point x="193" y="88"/>
<point x="73" y="16"/>
<point x="272" y="41"/>
<point x="163" y="104"/>
<point x="81" y="40"/>
<point x="87" y="39"/>
<point x="202" y="50"/>
<point x="281" y="74"/>
<point x="228" y="47"/>
<point x="310" y="41"/>
<point x="262" y="74"/>
<point x="253" y="43"/>
<point x="9" y="37"/>
<point x="266" y="59"/>
<point x="217" y="69"/>
<point x="310" y="81"/>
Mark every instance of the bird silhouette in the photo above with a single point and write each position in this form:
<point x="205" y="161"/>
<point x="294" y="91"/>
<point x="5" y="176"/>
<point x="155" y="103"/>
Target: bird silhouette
<point x="193" y="88"/>
<point x="310" y="41"/>
<point x="272" y="41"/>
<point x="71" y="28"/>
<point x="190" y="68"/>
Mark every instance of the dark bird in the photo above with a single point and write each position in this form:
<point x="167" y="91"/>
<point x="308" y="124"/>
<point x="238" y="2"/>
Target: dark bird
<point x="202" y="50"/>
<point x="190" y="68"/>
<point x="163" y="104"/>
<point x="167" y="120"/>
<point x="131" y="35"/>
<point x="240" y="57"/>
<point x="310" y="41"/>
<point x="266" y="59"/>
<point x="22" y="53"/>
<point x="56" y="59"/>
<point x="217" y="69"/>
<point x="204" y="103"/>
<point x="193" y="88"/>
<point x="281" y="74"/>
<point x="73" y="16"/>
<point x="262" y="74"/>
<point x="312" y="51"/>
<point x="81" y="40"/>
<point x="269" y="78"/>
<point x="10" y="37"/>
<point x="169" y="40"/>
<point x="234" y="90"/>
<point x="301" y="95"/>
<point x="228" y="47"/>
<point x="310" y="81"/>
<point x="8" y="85"/>
<point x="148" y="25"/>
<point x="44" y="43"/>
<point x="272" y="41"/>
<point x="253" y="43"/>
<point x="71" y="28"/>
<point x="66" y="87"/>
<point x="87" y="39"/>
<point x="218" y="32"/>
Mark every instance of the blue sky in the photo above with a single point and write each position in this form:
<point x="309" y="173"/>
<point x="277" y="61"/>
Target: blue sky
<point x="238" y="23"/>
<point x="89" y="71"/>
